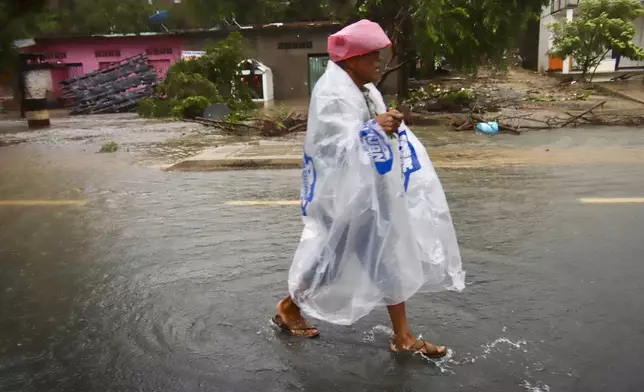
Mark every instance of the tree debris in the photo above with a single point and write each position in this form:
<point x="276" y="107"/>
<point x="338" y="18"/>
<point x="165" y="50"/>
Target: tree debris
<point x="266" y="126"/>
<point x="515" y="124"/>
<point x="274" y="126"/>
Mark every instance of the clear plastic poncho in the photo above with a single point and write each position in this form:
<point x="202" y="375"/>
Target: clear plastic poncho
<point x="377" y="227"/>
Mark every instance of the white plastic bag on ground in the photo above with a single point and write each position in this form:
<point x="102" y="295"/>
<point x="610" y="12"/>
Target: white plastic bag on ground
<point x="377" y="227"/>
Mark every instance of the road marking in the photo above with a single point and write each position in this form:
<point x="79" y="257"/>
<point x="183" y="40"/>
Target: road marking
<point x="43" y="202"/>
<point x="612" y="200"/>
<point x="239" y="203"/>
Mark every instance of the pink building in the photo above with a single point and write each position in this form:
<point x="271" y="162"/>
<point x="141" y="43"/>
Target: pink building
<point x="86" y="54"/>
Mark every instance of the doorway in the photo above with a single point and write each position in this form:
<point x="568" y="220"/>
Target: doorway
<point x="317" y="66"/>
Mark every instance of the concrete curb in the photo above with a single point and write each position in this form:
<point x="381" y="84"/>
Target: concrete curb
<point x="259" y="163"/>
<point x="620" y="94"/>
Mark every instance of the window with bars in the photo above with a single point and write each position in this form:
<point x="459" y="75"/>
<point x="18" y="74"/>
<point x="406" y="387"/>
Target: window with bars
<point x="107" y="53"/>
<point x="294" y="45"/>
<point x="156" y="51"/>
<point x="56" y="55"/>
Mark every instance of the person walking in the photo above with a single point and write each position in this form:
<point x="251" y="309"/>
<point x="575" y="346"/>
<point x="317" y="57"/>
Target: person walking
<point x="377" y="228"/>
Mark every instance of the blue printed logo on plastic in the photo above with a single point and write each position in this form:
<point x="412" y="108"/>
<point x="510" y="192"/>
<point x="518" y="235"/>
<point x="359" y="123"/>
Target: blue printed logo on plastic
<point x="409" y="159"/>
<point x="377" y="146"/>
<point x="309" y="177"/>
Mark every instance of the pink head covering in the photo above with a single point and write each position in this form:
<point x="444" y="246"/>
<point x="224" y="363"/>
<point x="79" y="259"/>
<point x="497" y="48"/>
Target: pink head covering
<point x="356" y="40"/>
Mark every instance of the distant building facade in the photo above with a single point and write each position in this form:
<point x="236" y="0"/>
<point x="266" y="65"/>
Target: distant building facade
<point x="560" y="10"/>
<point x="295" y="52"/>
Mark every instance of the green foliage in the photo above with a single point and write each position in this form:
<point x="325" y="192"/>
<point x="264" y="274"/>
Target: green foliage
<point x="146" y="108"/>
<point x="88" y="17"/>
<point x="214" y="78"/>
<point x="466" y="33"/>
<point x="437" y="98"/>
<point x="578" y="96"/>
<point x="601" y="26"/>
<point x="238" y="116"/>
<point x="460" y="96"/>
<point x="207" y="13"/>
<point x="215" y="75"/>
<point x="156" y="107"/>
<point x="181" y="85"/>
<point x="109" y="147"/>
<point x="191" y="107"/>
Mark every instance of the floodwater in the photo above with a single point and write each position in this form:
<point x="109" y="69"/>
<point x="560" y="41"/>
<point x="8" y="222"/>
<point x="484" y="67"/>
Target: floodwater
<point x="156" y="284"/>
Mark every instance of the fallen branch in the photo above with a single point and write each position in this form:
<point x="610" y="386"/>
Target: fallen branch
<point x="237" y="128"/>
<point x="275" y="126"/>
<point x="625" y="76"/>
<point x="577" y="117"/>
<point x="466" y="126"/>
<point x="536" y="127"/>
<point x="297" y="128"/>
<point x="507" y="128"/>
<point x="220" y="123"/>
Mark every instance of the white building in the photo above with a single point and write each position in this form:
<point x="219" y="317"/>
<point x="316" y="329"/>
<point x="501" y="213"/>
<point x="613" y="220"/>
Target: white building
<point x="560" y="10"/>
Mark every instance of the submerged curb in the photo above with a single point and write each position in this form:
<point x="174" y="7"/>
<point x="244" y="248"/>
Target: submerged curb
<point x="259" y="163"/>
<point x="244" y="156"/>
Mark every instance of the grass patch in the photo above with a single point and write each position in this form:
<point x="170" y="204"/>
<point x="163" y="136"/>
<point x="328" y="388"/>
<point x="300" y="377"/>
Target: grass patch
<point x="109" y="147"/>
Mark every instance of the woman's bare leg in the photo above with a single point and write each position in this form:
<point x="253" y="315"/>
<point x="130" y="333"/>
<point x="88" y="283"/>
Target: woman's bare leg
<point x="404" y="339"/>
<point x="291" y="315"/>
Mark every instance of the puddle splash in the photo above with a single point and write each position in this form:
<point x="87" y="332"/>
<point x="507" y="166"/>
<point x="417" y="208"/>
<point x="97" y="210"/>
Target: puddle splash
<point x="517" y="345"/>
<point x="538" y="387"/>
<point x="445" y="364"/>
<point x="370" y="336"/>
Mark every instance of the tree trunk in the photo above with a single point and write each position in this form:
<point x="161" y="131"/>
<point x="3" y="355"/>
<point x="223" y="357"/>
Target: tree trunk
<point x="529" y="43"/>
<point x="405" y="51"/>
<point x="403" y="83"/>
<point x="430" y="64"/>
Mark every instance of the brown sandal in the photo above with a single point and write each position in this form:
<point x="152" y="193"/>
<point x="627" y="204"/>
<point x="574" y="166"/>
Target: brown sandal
<point x="300" y="329"/>
<point x="432" y="351"/>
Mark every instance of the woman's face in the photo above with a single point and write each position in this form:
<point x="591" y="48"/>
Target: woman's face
<point x="365" y="67"/>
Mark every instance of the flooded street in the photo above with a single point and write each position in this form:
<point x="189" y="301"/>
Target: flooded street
<point x="134" y="279"/>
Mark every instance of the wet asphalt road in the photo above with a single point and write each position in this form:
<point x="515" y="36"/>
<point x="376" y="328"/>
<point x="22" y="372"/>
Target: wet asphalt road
<point x="157" y="285"/>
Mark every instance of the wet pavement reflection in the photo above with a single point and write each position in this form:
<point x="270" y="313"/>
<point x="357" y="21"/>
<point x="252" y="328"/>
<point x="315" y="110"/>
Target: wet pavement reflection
<point x="156" y="284"/>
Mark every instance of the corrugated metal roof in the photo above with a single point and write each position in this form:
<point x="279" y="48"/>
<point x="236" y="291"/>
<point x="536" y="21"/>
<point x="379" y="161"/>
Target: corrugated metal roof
<point x="24" y="43"/>
<point x="274" y="25"/>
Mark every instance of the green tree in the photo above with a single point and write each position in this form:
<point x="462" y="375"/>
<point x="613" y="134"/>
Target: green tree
<point x="86" y="17"/>
<point x="15" y="21"/>
<point x="601" y="26"/>
<point x="213" y="77"/>
<point x="206" y="13"/>
<point x="466" y="33"/>
<point x="470" y="33"/>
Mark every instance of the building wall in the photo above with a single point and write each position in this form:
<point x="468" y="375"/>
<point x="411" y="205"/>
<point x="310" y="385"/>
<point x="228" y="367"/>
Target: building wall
<point x="545" y="37"/>
<point x="639" y="40"/>
<point x="290" y="66"/>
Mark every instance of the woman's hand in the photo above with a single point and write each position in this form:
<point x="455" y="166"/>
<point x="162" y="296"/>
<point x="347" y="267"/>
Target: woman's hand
<point x="390" y="121"/>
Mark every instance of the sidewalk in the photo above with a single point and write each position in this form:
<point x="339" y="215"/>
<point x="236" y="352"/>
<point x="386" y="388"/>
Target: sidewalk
<point x="633" y="90"/>
<point x="263" y="154"/>
<point x="288" y="155"/>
